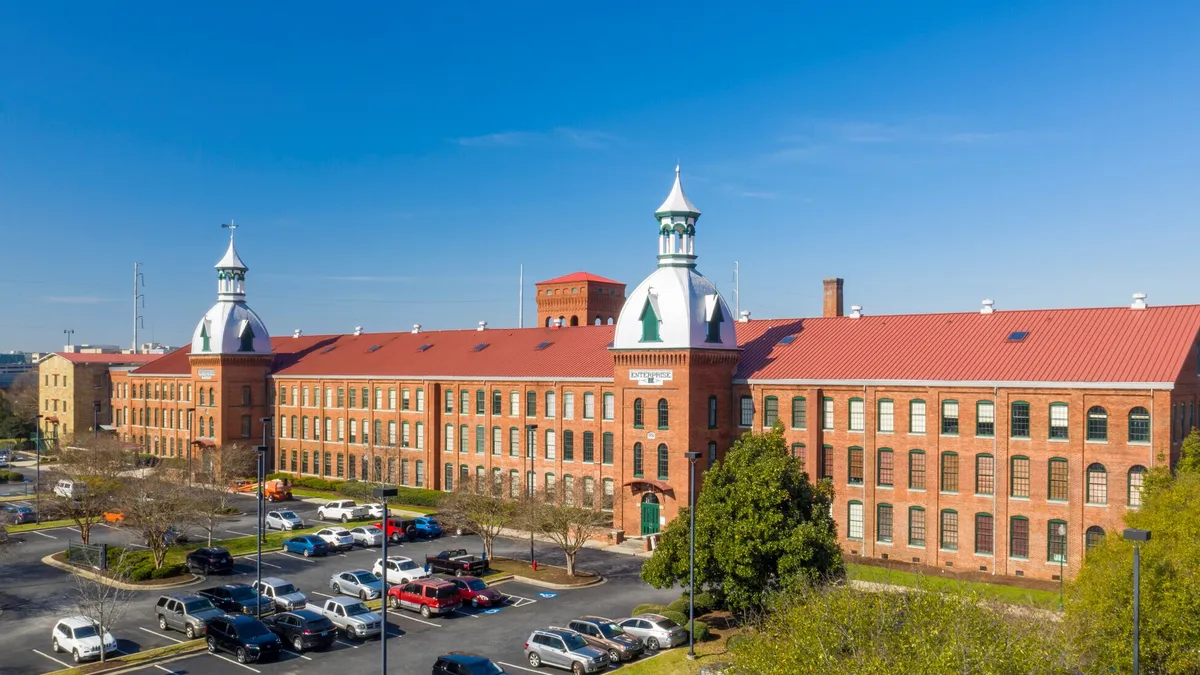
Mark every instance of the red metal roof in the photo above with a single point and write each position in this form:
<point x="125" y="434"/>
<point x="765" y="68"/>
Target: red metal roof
<point x="109" y="358"/>
<point x="1113" y="344"/>
<point x="579" y="276"/>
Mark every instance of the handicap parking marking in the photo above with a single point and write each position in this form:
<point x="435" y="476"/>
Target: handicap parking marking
<point x="64" y="665"/>
<point x="547" y="595"/>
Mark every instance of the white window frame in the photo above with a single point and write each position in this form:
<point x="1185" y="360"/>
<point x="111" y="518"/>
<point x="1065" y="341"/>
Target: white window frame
<point x="610" y="406"/>
<point x="589" y="405"/>
<point x="887" y="416"/>
<point x="568" y="405"/>
<point x="858" y="415"/>
<point x="917" y="411"/>
<point x="551" y="404"/>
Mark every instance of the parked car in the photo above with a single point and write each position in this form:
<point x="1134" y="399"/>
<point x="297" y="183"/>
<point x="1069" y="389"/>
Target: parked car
<point x="186" y="613"/>
<point x="284" y="594"/>
<point x="427" y="596"/>
<point x="428" y="527"/>
<point x="238" y="599"/>
<point x="283" y="520"/>
<point x="303" y="629"/>
<point x="400" y="570"/>
<point x="351" y="616"/>
<point x="343" y="510"/>
<point x="374" y="510"/>
<point x="656" y="630"/>
<point x="399" y="529"/>
<point x="360" y="583"/>
<point x="338" y="538"/>
<point x="306" y="545"/>
<point x="80" y="637"/>
<point x="607" y="635"/>
<point x="114" y="517"/>
<point x="69" y="489"/>
<point x="208" y="560"/>
<point x="566" y="649"/>
<point x="17" y="514"/>
<point x="458" y="663"/>
<point x="171" y="537"/>
<point x="5" y="458"/>
<point x="457" y="562"/>
<point x="247" y="638"/>
<point x="367" y="535"/>
<point x="475" y="592"/>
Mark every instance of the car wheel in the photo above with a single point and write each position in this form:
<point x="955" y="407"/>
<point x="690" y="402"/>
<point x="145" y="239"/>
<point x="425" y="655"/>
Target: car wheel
<point x="75" y="656"/>
<point x="425" y="611"/>
<point x="240" y="655"/>
<point x="535" y="660"/>
<point x="344" y="518"/>
<point x="212" y="646"/>
<point x="395" y="538"/>
<point x="337" y="588"/>
<point x="577" y="668"/>
<point x="475" y="603"/>
<point x="308" y="553"/>
<point x="298" y="644"/>
<point x="458" y="573"/>
<point x="652" y="644"/>
<point x="162" y="622"/>
<point x="614" y="656"/>
<point x="54" y="646"/>
<point x="393" y="602"/>
<point x="362" y="595"/>
<point x="190" y="632"/>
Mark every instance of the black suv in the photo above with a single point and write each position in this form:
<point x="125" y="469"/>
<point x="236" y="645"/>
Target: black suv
<point x="459" y="663"/>
<point x="209" y="560"/>
<point x="303" y="629"/>
<point x="247" y="638"/>
<point x="238" y="599"/>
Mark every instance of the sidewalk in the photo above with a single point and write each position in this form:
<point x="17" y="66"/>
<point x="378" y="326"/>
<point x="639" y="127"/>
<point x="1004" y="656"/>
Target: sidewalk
<point x="631" y="547"/>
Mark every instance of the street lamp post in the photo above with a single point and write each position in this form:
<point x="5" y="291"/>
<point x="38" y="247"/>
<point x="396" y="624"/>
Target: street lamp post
<point x="532" y="429"/>
<point x="95" y="419"/>
<point x="191" y="420"/>
<point x="37" y="451"/>
<point x="1138" y="537"/>
<point x="692" y="456"/>
<point x="383" y="494"/>
<point x="266" y="426"/>
<point x="260" y="452"/>
<point x="1062" y="557"/>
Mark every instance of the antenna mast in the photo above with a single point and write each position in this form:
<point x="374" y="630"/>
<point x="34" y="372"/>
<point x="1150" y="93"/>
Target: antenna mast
<point x="138" y="278"/>
<point x="521" y="298"/>
<point x="737" y="290"/>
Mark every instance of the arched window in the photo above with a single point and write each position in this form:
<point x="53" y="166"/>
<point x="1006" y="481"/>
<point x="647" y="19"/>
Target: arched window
<point x="549" y="320"/>
<point x="599" y="322"/>
<point x="1139" y="425"/>
<point x="664" y="462"/>
<point x="201" y="394"/>
<point x="1097" y="424"/>
<point x="448" y="485"/>
<point x="854" y="528"/>
<point x="663" y="418"/>
<point x="1137" y="480"/>
<point x="610" y="322"/>
<point x="1097" y="484"/>
<point x="211" y="428"/>
<point x="1093" y="536"/>
<point x="638" y="413"/>
<point x="574" y="321"/>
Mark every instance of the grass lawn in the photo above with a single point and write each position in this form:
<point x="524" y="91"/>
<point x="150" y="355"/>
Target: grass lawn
<point x="134" y="659"/>
<point x="675" y="661"/>
<point x="16" y="498"/>
<point x="1014" y="596"/>
<point x="322" y="494"/>
<point x="45" y="524"/>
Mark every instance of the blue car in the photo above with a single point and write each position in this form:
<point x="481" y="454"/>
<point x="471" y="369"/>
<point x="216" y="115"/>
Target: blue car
<point x="306" y="545"/>
<point x="12" y="514"/>
<point x="427" y="527"/>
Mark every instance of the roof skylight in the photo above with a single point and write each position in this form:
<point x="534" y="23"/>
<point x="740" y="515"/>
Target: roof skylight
<point x="543" y="345"/>
<point x="373" y="348"/>
<point x="480" y="347"/>
<point x="424" y="347"/>
<point x="1018" y="335"/>
<point x="787" y="339"/>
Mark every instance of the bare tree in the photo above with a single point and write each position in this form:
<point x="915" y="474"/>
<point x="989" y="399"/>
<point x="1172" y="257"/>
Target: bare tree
<point x="210" y="494"/>
<point x="101" y="602"/>
<point x="154" y="506"/>
<point x="569" y="518"/>
<point x="94" y="467"/>
<point x="482" y="509"/>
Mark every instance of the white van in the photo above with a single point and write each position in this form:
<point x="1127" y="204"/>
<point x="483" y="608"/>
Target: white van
<point x="68" y="489"/>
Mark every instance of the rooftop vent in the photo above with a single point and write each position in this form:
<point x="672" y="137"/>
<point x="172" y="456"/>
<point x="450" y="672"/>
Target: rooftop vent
<point x="416" y="328"/>
<point x="373" y="348"/>
<point x="1018" y="335"/>
<point x="543" y="345"/>
<point x="787" y="339"/>
<point x="358" y="330"/>
<point x="328" y="349"/>
<point x="745" y="318"/>
<point x="987" y="307"/>
<point x="480" y="347"/>
<point x="424" y="347"/>
<point x="297" y="333"/>
<point x="482" y="325"/>
<point x="1139" y="301"/>
<point x="856" y="311"/>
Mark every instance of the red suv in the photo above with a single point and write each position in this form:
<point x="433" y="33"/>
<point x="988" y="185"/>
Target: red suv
<point x="475" y="591"/>
<point x="427" y="596"/>
<point x="399" y="529"/>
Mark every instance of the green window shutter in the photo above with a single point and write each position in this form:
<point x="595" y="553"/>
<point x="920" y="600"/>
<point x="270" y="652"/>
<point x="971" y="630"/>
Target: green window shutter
<point x="649" y="324"/>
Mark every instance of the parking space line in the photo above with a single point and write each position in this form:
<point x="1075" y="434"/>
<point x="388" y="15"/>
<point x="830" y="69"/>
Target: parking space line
<point x="64" y="665"/>
<point x="75" y="529"/>
<point x="512" y="665"/>
<point x="270" y="564"/>
<point x="288" y="651"/>
<point x="413" y="618"/>
<point x="235" y="662"/>
<point x="240" y="534"/>
<point x="165" y="670"/>
<point x="295" y="557"/>
<point x="153" y="632"/>
<point x="43" y="534"/>
<point x="323" y="595"/>
<point x="343" y="642"/>
<point x="459" y="611"/>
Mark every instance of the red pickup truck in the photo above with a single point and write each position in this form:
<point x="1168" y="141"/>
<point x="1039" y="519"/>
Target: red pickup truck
<point x="399" y="529"/>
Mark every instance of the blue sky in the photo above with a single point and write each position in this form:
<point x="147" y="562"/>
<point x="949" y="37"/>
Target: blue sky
<point x="394" y="165"/>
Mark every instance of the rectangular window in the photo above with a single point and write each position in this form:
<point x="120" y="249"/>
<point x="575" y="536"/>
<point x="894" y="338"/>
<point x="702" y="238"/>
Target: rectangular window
<point x="985" y="474"/>
<point x="916" y="470"/>
<point x="712" y="412"/>
<point x="606" y="498"/>
<point x="1058" y="480"/>
<point x="1020" y="477"/>
<point x="916" y="526"/>
<point x="607" y="447"/>
<point x="589" y="406"/>
<point x="887" y="416"/>
<point x="664" y="463"/>
<point x="886" y="467"/>
<point x="1056" y="541"/>
<point x="464" y="437"/>
<point x="551" y="445"/>
<point x="378" y="399"/>
<point x="950" y="418"/>
<point x="799" y="413"/>
<point x="949" y="529"/>
<point x="405" y="399"/>
<point x="610" y="406"/>
<point x="569" y="405"/>
<point x="497" y="402"/>
<point x="514" y="442"/>
<point x="746" y="411"/>
<point x="1019" y="423"/>
<point x="1058" y="421"/>
<point x="949" y="472"/>
<point x="420" y="473"/>
<point x="328" y="397"/>
<point x="341" y="426"/>
<point x="497" y="441"/>
<point x="449" y="402"/>
<point x="531" y="403"/>
<point x="1018" y="539"/>
<point x="391" y="432"/>
<point x="1137" y="477"/>
<point x="405" y="435"/>
<point x="984" y="534"/>
<point x="770" y="411"/>
<point x="353" y="397"/>
<point x="551" y="405"/>
<point x="857" y="415"/>
<point x="637" y="460"/>
<point x="420" y="400"/>
<point x="854" y="471"/>
<point x="883" y="523"/>
<point x="855" y="528"/>
<point x="480" y="439"/>
<point x="341" y="397"/>
<point x="420" y="435"/>
<point x="827" y="414"/>
<point x="514" y="404"/>
<point x="1139" y="425"/>
<point x="985" y="418"/>
<point x="303" y="397"/>
<point x="916" y="417"/>
<point x="827" y="462"/>
<point x="568" y="446"/>
<point x="589" y="446"/>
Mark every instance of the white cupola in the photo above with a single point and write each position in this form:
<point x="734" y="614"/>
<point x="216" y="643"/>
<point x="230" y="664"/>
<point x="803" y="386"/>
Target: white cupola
<point x="230" y="326"/>
<point x="676" y="307"/>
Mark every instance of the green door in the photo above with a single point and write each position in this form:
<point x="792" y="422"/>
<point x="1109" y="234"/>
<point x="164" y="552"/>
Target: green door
<point x="649" y="518"/>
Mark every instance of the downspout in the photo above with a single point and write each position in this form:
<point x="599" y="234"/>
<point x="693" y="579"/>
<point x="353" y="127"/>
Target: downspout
<point x="995" y="478"/>
<point x="864" y="484"/>
<point x="1151" y="458"/>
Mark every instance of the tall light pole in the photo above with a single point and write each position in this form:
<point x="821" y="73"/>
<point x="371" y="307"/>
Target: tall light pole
<point x="37" y="450"/>
<point x="190" y="421"/>
<point x="532" y="429"/>
<point x="1062" y="558"/>
<point x="692" y="456"/>
<point x="260" y="453"/>
<point x="68" y="332"/>
<point x="95" y="419"/>
<point x="383" y="494"/>
<point x="1138" y="537"/>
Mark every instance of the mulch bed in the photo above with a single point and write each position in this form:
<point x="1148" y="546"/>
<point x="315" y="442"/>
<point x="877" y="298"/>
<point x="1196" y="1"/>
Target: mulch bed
<point x="62" y="558"/>
<point x="547" y="573"/>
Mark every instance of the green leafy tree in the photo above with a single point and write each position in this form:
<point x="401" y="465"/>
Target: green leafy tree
<point x="761" y="526"/>
<point x="1189" y="453"/>
<point x="1099" y="602"/>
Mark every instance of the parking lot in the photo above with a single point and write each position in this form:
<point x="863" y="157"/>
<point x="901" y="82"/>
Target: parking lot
<point x="36" y="595"/>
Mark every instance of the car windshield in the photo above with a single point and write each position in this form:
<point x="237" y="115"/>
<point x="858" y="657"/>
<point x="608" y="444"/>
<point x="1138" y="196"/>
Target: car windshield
<point x="288" y="515"/>
<point x="370" y="530"/>
<point x="574" y="642"/>
<point x="284" y="589"/>
<point x="241" y="593"/>
<point x="610" y="630"/>
<point x="198" y="605"/>
<point x="363" y="577"/>
<point x="406" y="565"/>
<point x="250" y="630"/>
<point x="85" y="632"/>
<point x="356" y="609"/>
<point x="477" y="585"/>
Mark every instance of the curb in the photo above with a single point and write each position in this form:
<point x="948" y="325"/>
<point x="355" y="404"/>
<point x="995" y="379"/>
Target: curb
<point x="191" y="651"/>
<point x="559" y="587"/>
<point x="49" y="560"/>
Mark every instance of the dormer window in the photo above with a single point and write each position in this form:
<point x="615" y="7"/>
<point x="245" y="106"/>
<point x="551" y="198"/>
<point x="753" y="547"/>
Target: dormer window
<point x="649" y="319"/>
<point x="714" y="319"/>
<point x="246" y="338"/>
<point x="204" y="343"/>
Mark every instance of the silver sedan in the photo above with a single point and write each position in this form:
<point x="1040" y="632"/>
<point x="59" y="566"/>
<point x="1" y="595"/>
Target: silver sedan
<point x="359" y="583"/>
<point x="367" y="535"/>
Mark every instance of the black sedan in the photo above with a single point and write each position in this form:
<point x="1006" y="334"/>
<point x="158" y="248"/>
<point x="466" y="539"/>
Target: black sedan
<point x="303" y="629"/>
<point x="247" y="638"/>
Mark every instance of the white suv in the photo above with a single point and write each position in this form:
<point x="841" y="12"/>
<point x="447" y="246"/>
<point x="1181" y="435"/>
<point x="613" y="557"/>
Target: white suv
<point x="69" y="489"/>
<point x="401" y="570"/>
<point x="284" y="520"/>
<point x="78" y="636"/>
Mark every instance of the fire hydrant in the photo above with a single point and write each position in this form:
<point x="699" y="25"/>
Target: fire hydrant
<point x="534" y="565"/>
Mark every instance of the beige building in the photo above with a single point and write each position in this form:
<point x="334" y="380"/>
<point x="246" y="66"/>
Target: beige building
<point x="75" y="391"/>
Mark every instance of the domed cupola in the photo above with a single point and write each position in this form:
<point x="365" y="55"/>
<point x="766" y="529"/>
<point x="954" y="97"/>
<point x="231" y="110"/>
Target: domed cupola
<point x="230" y="326"/>
<point x="676" y="307"/>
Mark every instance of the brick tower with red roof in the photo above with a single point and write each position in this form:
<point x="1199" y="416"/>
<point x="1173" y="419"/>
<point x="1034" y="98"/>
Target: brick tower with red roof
<point x="579" y="298"/>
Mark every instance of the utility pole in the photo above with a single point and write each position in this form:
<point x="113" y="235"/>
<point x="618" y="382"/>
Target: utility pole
<point x="138" y="278"/>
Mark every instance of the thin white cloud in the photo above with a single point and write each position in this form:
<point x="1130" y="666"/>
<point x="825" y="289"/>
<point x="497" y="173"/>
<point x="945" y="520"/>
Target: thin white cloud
<point x="585" y="139"/>
<point x="371" y="279"/>
<point x="757" y="195"/>
<point x="77" y="300"/>
<point x="504" y="139"/>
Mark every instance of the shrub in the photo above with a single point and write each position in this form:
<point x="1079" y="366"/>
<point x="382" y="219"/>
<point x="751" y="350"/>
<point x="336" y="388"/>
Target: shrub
<point x="11" y="477"/>
<point x="405" y="495"/>
<point x="677" y="617"/>
<point x="649" y="609"/>
<point x="708" y="601"/>
<point x="699" y="631"/>
<point x="681" y="606"/>
<point x="167" y="571"/>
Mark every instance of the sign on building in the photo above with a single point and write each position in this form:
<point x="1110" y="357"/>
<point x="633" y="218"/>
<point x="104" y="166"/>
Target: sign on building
<point x="651" y="378"/>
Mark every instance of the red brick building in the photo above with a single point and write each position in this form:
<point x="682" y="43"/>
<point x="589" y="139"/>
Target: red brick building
<point x="992" y="440"/>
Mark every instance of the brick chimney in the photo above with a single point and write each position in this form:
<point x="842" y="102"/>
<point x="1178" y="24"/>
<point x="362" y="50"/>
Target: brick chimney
<point x="833" y="298"/>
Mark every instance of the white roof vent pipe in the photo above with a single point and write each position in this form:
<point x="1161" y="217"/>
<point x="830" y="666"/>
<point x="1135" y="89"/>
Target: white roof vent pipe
<point x="745" y="317"/>
<point x="856" y="311"/>
<point x="987" y="307"/>
<point x="358" y="330"/>
<point x="1139" y="301"/>
<point x="482" y="325"/>
<point x="416" y="328"/>
<point x="297" y="333"/>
